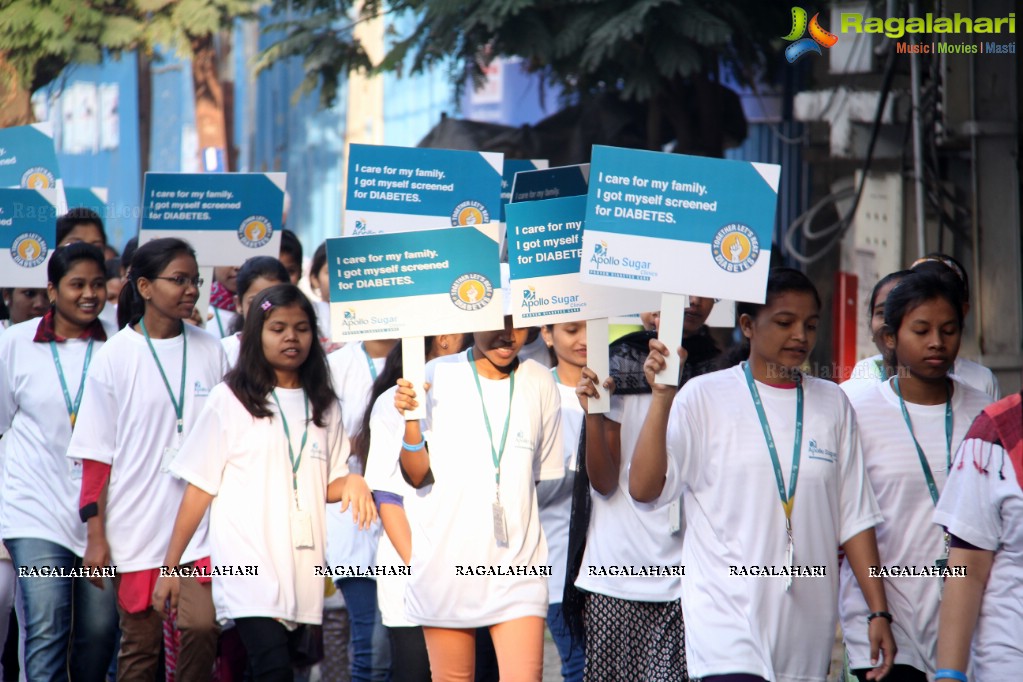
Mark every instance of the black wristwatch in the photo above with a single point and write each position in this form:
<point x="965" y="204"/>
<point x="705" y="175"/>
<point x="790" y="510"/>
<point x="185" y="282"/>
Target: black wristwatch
<point x="879" y="614"/>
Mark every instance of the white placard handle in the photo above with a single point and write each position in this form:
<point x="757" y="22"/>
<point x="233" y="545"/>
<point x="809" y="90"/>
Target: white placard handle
<point x="673" y="313"/>
<point x="597" y="359"/>
<point x="413" y="369"/>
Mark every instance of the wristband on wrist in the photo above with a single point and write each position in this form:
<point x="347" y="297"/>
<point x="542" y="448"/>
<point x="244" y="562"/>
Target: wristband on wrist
<point x="879" y="614"/>
<point x="414" y="448"/>
<point x="949" y="674"/>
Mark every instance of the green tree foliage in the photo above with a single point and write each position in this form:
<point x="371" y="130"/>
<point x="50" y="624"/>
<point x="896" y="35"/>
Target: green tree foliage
<point x="39" y="38"/>
<point x="646" y="51"/>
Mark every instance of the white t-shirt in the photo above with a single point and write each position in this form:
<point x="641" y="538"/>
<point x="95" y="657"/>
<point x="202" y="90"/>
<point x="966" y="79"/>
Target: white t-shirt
<point x="555" y="516"/>
<point x="244" y="463"/>
<point x="222" y="322"/>
<point x="127" y="420"/>
<point x="718" y="459"/>
<point x="383" y="473"/>
<point x="907" y="537"/>
<point x="867" y="373"/>
<point x="623" y="534"/>
<point x="985" y="508"/>
<point x="453" y="526"/>
<point x="347" y="545"/>
<point x="40" y="486"/>
<point x="232" y="346"/>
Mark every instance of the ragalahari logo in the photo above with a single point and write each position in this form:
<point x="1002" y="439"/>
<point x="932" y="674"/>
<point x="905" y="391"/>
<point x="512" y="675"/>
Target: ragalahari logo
<point x="802" y="46"/>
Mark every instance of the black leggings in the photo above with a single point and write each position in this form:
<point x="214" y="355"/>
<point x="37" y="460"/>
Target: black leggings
<point x="266" y="642"/>
<point x="409" y="660"/>
<point x="899" y="673"/>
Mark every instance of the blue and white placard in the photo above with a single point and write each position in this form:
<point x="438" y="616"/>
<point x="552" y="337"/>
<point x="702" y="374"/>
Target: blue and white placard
<point x="679" y="224"/>
<point x="226" y="217"/>
<point x="400" y="189"/>
<point x="413" y="284"/>
<point x="28" y="235"/>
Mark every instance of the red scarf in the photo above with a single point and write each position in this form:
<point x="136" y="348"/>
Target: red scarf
<point x="1002" y="423"/>
<point x="221" y="298"/>
<point x="45" y="332"/>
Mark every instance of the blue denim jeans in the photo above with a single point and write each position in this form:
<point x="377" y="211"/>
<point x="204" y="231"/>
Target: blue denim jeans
<point x="371" y="649"/>
<point x="572" y="651"/>
<point x="70" y="624"/>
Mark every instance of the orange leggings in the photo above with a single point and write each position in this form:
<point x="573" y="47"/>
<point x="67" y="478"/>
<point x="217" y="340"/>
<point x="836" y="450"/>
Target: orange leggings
<point x="518" y="643"/>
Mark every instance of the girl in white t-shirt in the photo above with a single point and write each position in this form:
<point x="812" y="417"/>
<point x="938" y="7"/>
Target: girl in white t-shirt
<point x="144" y="391"/>
<point x="567" y="343"/>
<point x="768" y="463"/>
<point x="379" y="444"/>
<point x="909" y="427"/>
<point x="981" y="508"/>
<point x="255" y="275"/>
<point x="479" y="558"/>
<point x="266" y="454"/>
<point x="43" y="365"/>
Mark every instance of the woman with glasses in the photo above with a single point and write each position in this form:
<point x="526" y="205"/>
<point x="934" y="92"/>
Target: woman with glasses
<point x="146" y="387"/>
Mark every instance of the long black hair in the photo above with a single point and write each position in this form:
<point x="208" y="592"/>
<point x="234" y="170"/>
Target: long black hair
<point x="66" y="256"/>
<point x="148" y="261"/>
<point x="916" y="289"/>
<point x="780" y="281"/>
<point x="252" y="378"/>
<point x="268" y="268"/>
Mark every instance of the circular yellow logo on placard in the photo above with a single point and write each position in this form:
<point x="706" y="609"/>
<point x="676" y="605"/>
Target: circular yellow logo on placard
<point x="29" y="250"/>
<point x="471" y="292"/>
<point x="37" y="178"/>
<point x="255" y="231"/>
<point x="469" y="213"/>
<point x="735" y="248"/>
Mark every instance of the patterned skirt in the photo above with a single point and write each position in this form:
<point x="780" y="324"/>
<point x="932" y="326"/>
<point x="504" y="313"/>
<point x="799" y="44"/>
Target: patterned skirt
<point x="634" y="641"/>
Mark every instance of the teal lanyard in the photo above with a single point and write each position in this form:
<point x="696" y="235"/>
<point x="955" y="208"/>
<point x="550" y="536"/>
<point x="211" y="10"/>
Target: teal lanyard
<point x="369" y="361"/>
<point x="179" y="404"/>
<point x="931" y="485"/>
<point x="296" y="462"/>
<point x="882" y="369"/>
<point x="554" y="371"/>
<point x="72" y="407"/>
<point x="786" y="500"/>
<point x="495" y="454"/>
<point x="216" y="316"/>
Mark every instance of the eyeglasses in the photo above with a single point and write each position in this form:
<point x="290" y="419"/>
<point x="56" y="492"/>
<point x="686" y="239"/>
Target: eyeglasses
<point x="182" y="281"/>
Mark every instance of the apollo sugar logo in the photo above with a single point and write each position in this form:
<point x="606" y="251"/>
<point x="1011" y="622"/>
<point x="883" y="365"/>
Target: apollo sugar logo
<point x="38" y="178"/>
<point x="255" y="231"/>
<point x="351" y="320"/>
<point x="735" y="248"/>
<point x="819" y="37"/>
<point x="471" y="292"/>
<point x="640" y="269"/>
<point x="469" y="213"/>
<point x="29" y="250"/>
<point x="555" y="304"/>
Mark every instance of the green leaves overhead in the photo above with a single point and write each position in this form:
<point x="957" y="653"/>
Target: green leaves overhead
<point x="631" y="46"/>
<point x="40" y="37"/>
